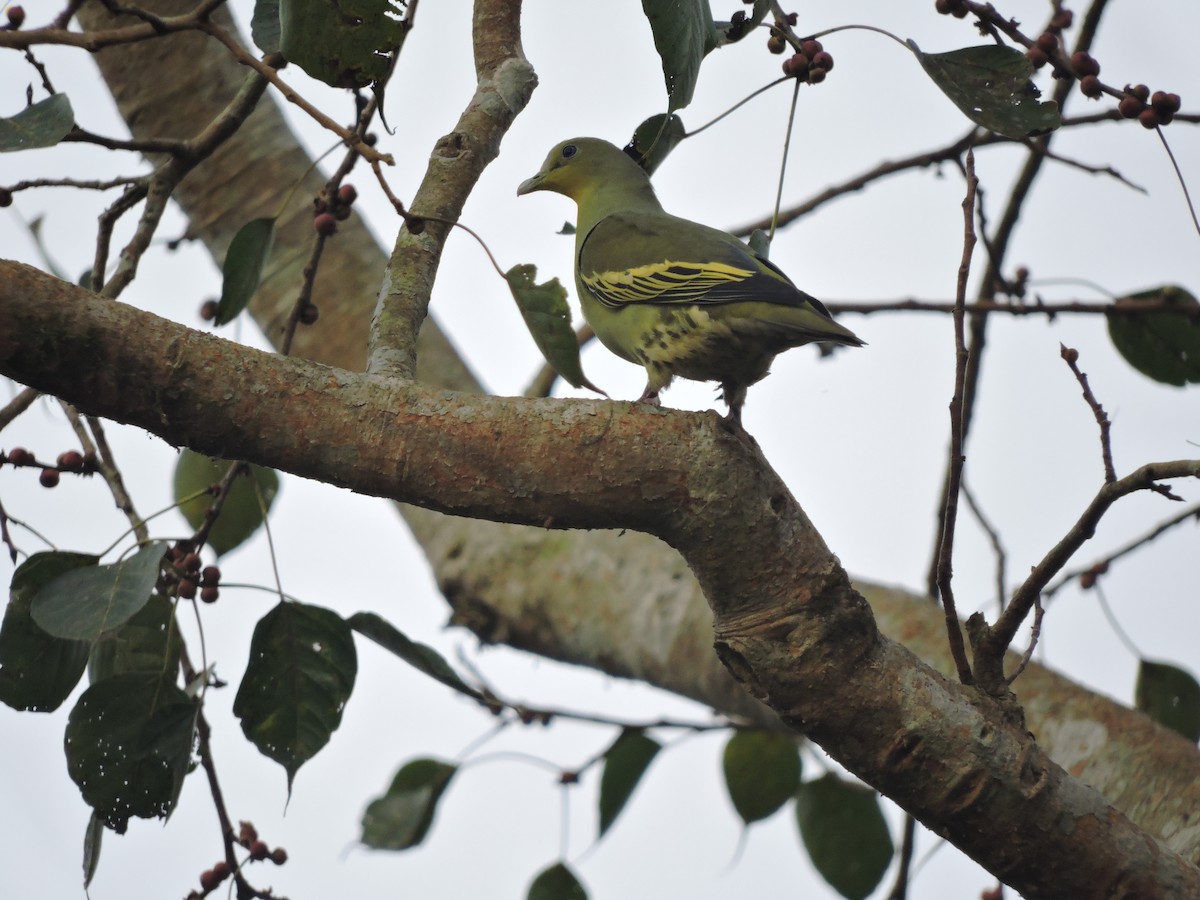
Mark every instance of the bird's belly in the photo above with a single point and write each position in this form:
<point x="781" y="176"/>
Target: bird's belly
<point x="692" y="344"/>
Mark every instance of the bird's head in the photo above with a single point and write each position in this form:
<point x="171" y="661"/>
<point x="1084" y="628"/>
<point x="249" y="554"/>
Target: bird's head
<point x="581" y="166"/>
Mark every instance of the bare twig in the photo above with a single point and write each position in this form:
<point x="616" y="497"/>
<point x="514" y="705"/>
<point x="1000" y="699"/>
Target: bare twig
<point x="1034" y="633"/>
<point x="17" y="405"/>
<point x="945" y="553"/>
<point x="1071" y="356"/>
<point x="994" y="538"/>
<point x="899" y="889"/>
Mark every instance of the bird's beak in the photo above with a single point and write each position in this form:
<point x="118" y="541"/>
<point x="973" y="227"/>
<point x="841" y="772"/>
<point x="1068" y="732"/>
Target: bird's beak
<point x="529" y="185"/>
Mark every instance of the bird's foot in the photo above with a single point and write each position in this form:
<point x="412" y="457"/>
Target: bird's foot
<point x="732" y="422"/>
<point x="649" y="396"/>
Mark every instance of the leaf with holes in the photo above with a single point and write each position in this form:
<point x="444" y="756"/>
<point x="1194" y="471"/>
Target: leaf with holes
<point x="42" y="125"/>
<point x="301" y="672"/>
<point x="128" y="745"/>
<point x="548" y="318"/>
<point x="1162" y="345"/>
<point x="347" y="44"/>
<point x="683" y="34"/>
<point x="845" y="834"/>
<point x="1170" y="696"/>
<point x="625" y="763"/>
<point x="993" y="86"/>
<point x="38" y="671"/>
<point x="762" y="772"/>
<point x="401" y="817"/>
<point x="86" y="602"/>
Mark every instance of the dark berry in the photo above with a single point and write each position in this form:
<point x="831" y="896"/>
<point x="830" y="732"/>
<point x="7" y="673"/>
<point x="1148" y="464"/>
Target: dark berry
<point x="1140" y="91"/>
<point x="776" y="44"/>
<point x="209" y="310"/>
<point x="1062" y="20"/>
<point x="945" y="7"/>
<point x="209" y="880"/>
<point x="247" y="834"/>
<point x="1090" y="86"/>
<point x="259" y="850"/>
<point x="822" y="61"/>
<point x="1047" y="42"/>
<point x="815" y="75"/>
<point x="16" y="17"/>
<point x="19" y="456"/>
<point x="1165" y="103"/>
<point x="347" y="194"/>
<point x="325" y="224"/>
<point x="71" y="460"/>
<point x="794" y="65"/>
<point x="279" y="856"/>
<point x="191" y="562"/>
<point x="187" y="588"/>
<point x="1037" y="58"/>
<point x="49" y="478"/>
<point x="1131" y="107"/>
<point x="210" y="575"/>
<point x="222" y="870"/>
<point x="6" y="197"/>
<point x="1150" y="118"/>
<point x="1084" y="63"/>
<point x="309" y="314"/>
<point x="210" y="593"/>
<point x="811" y="48"/>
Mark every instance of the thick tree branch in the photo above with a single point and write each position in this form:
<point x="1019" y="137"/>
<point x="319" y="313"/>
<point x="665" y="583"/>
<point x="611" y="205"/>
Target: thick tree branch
<point x="790" y="626"/>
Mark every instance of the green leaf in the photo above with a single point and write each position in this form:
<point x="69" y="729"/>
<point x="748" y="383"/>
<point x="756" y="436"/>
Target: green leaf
<point x="654" y="139"/>
<point x="241" y="514"/>
<point x="731" y="32"/>
<point x="84" y="603"/>
<point x="242" y="271"/>
<point x="301" y="672"/>
<point x="548" y="318"/>
<point x="344" y="44"/>
<point x="93" y="835"/>
<point x="992" y="85"/>
<point x="683" y="33"/>
<point x="762" y="772"/>
<point x="401" y="817"/>
<point x="1163" y="345"/>
<point x="1170" y="696"/>
<point x="845" y="834"/>
<point x="42" y="125"/>
<point x="417" y="655"/>
<point x="556" y="883"/>
<point x="264" y="25"/>
<point x="128" y="745"/>
<point x="148" y="642"/>
<point x="624" y="765"/>
<point x="38" y="671"/>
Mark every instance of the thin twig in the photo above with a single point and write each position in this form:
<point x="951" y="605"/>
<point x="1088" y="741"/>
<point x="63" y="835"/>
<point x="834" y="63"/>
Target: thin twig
<point x="945" y="553"/>
<point x="899" y="889"/>
<point x="17" y="405"/>
<point x="994" y="538"/>
<point x="1034" y="634"/>
<point x="1071" y="356"/>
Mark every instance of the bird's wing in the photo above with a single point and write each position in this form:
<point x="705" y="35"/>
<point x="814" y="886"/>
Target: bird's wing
<point x="632" y="258"/>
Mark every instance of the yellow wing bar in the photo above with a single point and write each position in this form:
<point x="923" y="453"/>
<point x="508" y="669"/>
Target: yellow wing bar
<point x="665" y="282"/>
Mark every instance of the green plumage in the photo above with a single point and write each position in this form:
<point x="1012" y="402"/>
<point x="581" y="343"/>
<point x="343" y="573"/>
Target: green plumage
<point x="674" y="296"/>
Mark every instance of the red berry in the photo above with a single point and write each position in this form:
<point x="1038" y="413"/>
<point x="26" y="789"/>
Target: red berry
<point x="1047" y="42"/>
<point x="776" y="44"/>
<point x="1084" y="63"/>
<point x="1037" y="58"/>
<point x="811" y="48"/>
<point x="1062" y="19"/>
<point x="222" y="870"/>
<point x="49" y="478"/>
<point x="187" y="588"/>
<point x="210" y="593"/>
<point x="325" y="224"/>
<point x="191" y="562"/>
<point x="1090" y="86"/>
<point x="210" y="575"/>
<point x="795" y="65"/>
<point x="1140" y="91"/>
<point x="1130" y="107"/>
<point x="71" y="460"/>
<point x="209" y="880"/>
<point x="1165" y="103"/>
<point x="347" y="194"/>
<point x="259" y="850"/>
<point x="815" y="75"/>
<point x="822" y="61"/>
<point x="16" y="17"/>
<point x="209" y="310"/>
<point x="279" y="856"/>
<point x="19" y="456"/>
<point x="1150" y="118"/>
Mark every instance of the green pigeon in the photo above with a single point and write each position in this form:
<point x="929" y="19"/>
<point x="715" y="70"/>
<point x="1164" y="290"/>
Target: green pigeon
<point x="674" y="296"/>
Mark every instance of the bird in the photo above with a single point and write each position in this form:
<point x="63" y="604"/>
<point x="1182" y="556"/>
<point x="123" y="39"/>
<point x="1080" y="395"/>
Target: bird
<point x="672" y="295"/>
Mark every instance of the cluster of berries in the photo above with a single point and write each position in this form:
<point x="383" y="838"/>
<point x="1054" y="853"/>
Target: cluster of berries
<point x="68" y="461"/>
<point x="328" y="211"/>
<point x="186" y="561"/>
<point x="1151" y="110"/>
<point x="210" y="879"/>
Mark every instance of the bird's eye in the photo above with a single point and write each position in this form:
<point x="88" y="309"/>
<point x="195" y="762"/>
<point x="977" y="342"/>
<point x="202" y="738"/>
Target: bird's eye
<point x="569" y="151"/>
